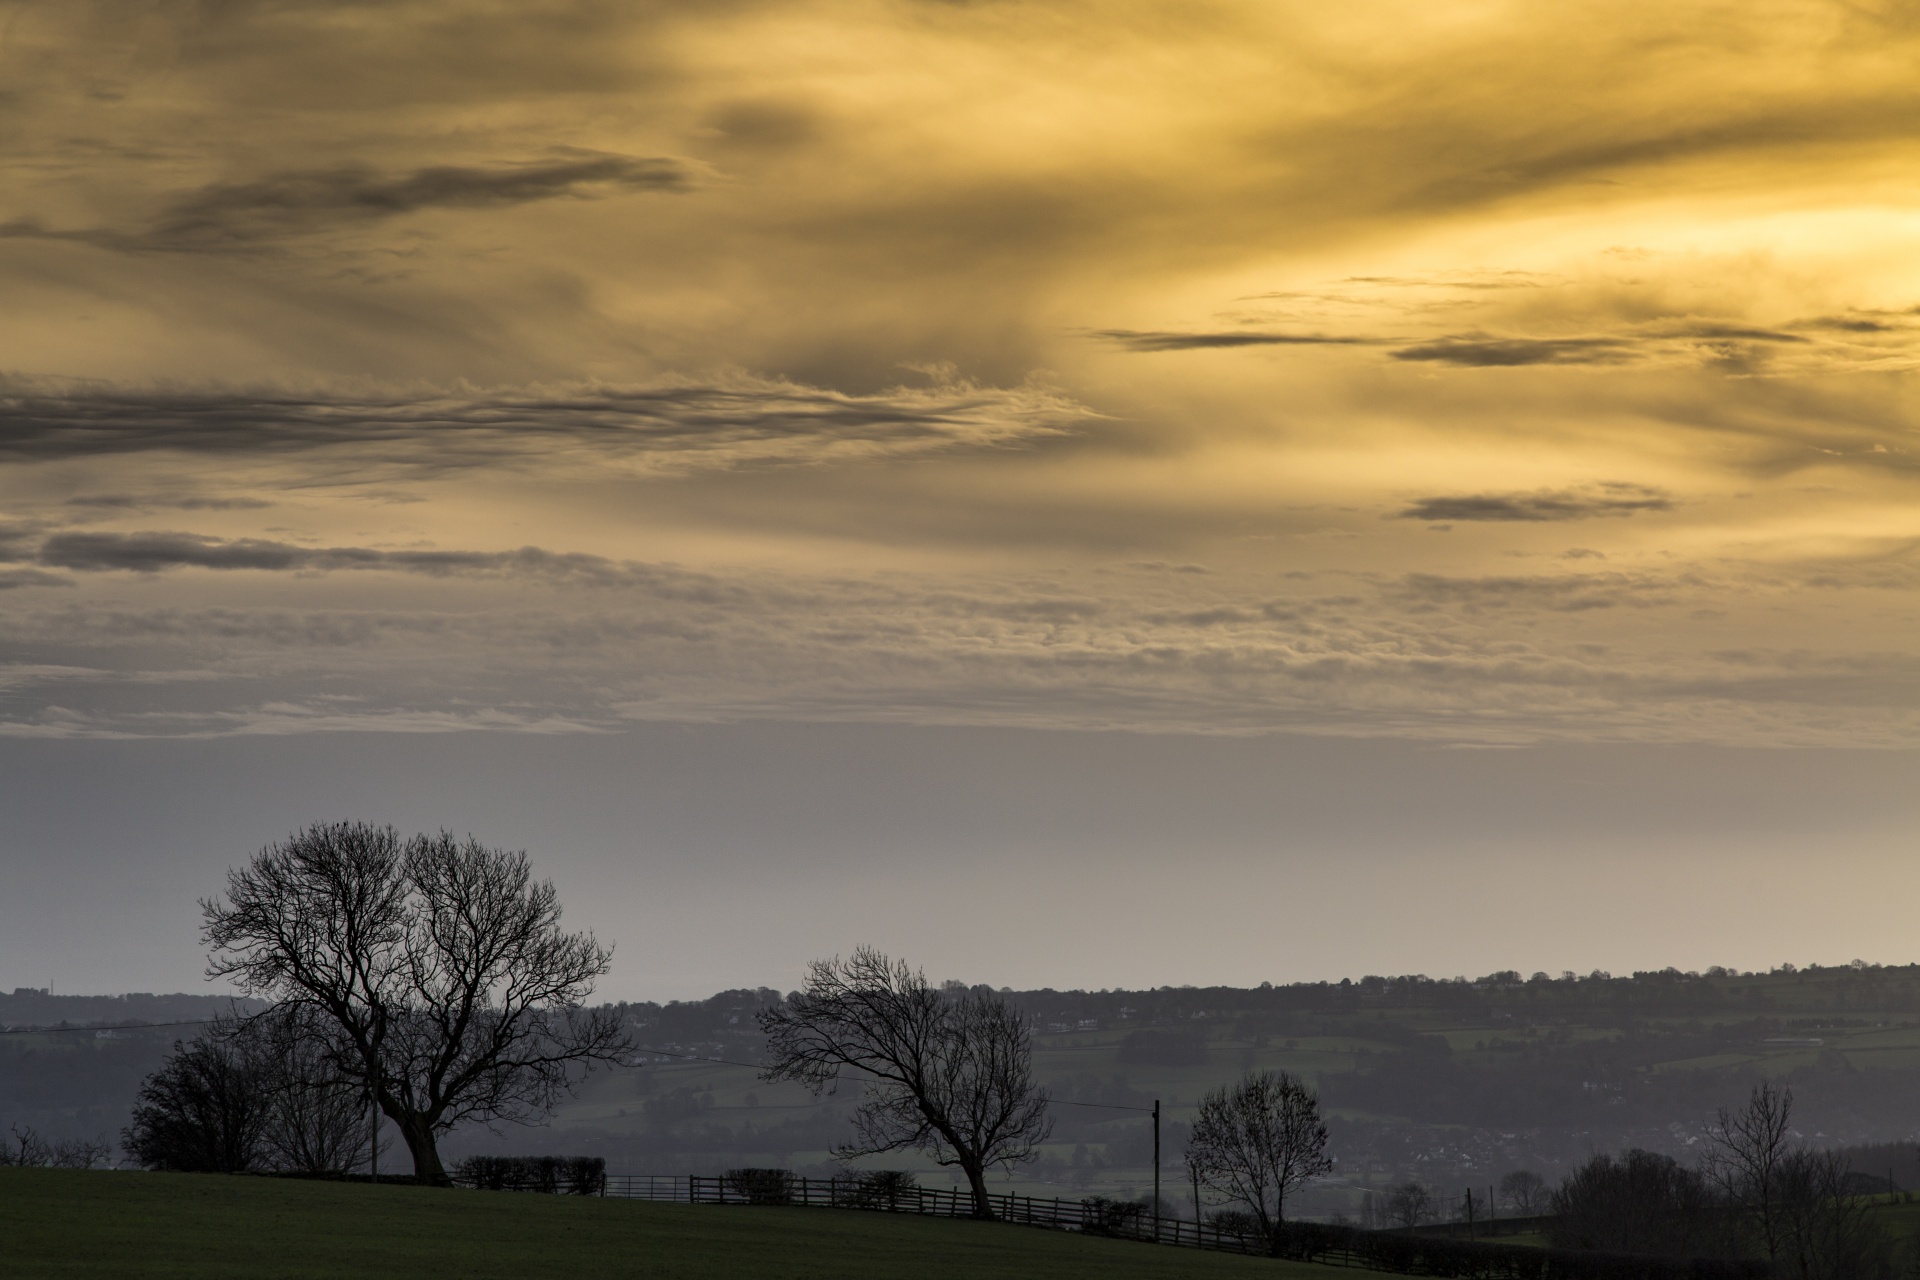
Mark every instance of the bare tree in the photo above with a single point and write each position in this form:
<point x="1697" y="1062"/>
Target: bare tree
<point x="1409" y="1204"/>
<point x="1826" y="1233"/>
<point x="1793" y="1203"/>
<point x="446" y="987"/>
<point x="1257" y="1141"/>
<point x="950" y="1071"/>
<point x="1524" y="1191"/>
<point x="26" y="1149"/>
<point x="1749" y="1147"/>
<point x="317" y="1119"/>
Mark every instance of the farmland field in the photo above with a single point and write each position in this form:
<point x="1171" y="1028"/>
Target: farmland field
<point x="56" y="1223"/>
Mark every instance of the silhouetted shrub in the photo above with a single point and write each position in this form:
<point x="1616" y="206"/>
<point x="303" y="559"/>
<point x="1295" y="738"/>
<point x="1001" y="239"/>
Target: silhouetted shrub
<point x="876" y="1189"/>
<point x="762" y="1186"/>
<point x="1100" y="1216"/>
<point x="548" y="1175"/>
<point x="1641" y="1202"/>
<point x="204" y="1111"/>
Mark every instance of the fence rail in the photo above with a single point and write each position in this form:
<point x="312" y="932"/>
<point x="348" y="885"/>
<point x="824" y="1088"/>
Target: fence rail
<point x="1094" y="1217"/>
<point x="1326" y="1244"/>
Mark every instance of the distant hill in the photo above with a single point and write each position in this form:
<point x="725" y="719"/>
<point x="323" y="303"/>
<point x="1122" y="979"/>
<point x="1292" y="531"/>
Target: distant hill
<point x="1451" y="1081"/>
<point x="33" y="1007"/>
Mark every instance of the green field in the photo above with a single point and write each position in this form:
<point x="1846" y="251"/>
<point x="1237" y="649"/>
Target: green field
<point x="57" y="1223"/>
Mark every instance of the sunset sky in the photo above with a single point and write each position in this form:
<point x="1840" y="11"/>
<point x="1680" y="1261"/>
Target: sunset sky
<point x="940" y="459"/>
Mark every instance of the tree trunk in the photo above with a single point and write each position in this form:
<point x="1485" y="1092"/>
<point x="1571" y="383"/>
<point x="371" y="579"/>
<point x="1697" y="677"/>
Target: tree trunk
<point x="421" y="1146"/>
<point x="977" y="1182"/>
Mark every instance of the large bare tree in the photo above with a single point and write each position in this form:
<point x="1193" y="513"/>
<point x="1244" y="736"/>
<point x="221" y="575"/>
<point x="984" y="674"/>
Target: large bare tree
<point x="949" y="1071"/>
<point x="437" y="968"/>
<point x="1258" y="1140"/>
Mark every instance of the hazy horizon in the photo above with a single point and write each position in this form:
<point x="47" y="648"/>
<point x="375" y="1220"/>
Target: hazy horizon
<point x="727" y="856"/>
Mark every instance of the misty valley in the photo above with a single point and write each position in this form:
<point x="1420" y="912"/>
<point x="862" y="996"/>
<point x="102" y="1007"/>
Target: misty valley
<point x="1451" y="1084"/>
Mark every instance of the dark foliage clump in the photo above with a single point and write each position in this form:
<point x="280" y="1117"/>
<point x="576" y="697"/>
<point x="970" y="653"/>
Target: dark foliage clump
<point x="1640" y="1203"/>
<point x="877" y="1189"/>
<point x="548" y="1175"/>
<point x="1100" y="1216"/>
<point x="205" y="1111"/>
<point x="761" y="1186"/>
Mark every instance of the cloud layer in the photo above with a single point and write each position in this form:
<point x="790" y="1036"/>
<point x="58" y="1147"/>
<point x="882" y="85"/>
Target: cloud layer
<point x="227" y="216"/>
<point x="1481" y="375"/>
<point x="718" y="424"/>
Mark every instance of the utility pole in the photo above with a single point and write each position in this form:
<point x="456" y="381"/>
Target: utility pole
<point x="1469" y="1213"/>
<point x="1156" y="1171"/>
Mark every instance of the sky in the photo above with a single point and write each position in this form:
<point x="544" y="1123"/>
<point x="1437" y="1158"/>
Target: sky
<point x="931" y="462"/>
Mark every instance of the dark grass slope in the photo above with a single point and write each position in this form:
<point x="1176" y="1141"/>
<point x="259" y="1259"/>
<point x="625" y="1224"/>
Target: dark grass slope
<point x="58" y="1223"/>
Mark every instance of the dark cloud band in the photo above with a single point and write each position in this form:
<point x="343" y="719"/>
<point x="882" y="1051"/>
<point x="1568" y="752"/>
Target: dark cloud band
<point x="1134" y="340"/>
<point x="1542" y="505"/>
<point x="708" y="425"/>
<point x="234" y="215"/>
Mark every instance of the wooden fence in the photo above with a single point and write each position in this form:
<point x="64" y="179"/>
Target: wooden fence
<point x="1326" y="1244"/>
<point x="1093" y="1217"/>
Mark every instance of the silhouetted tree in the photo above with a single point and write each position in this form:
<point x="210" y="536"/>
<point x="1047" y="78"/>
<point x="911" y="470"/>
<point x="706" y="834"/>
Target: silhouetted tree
<point x="205" y="1110"/>
<point x="1409" y="1205"/>
<point x="1258" y="1140"/>
<point x="1823" y="1231"/>
<point x="318" y="1120"/>
<point x="1749" y="1147"/>
<point x="438" y="970"/>
<point x="1791" y="1203"/>
<point x="951" y="1070"/>
<point x="1524" y="1191"/>
<point x="24" y="1148"/>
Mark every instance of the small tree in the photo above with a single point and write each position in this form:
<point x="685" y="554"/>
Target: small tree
<point x="1826" y="1233"/>
<point x="1749" y="1147"/>
<point x="950" y="1070"/>
<point x="437" y="970"/>
<point x="1409" y="1205"/>
<point x="318" y="1120"/>
<point x="1793" y="1203"/>
<point x="206" y="1110"/>
<point x="1524" y="1191"/>
<point x="1257" y="1141"/>
<point x="26" y="1149"/>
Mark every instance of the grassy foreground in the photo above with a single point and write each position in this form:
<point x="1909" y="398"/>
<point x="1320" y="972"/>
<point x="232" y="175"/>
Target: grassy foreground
<point x="65" y="1223"/>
